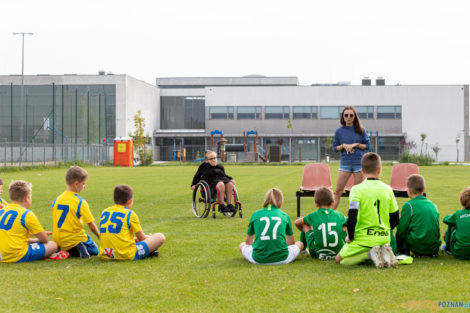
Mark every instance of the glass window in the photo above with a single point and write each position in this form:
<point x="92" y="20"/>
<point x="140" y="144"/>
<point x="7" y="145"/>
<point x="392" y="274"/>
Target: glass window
<point x="304" y="112"/>
<point x="277" y="112"/>
<point x="249" y="113"/>
<point x="365" y="112"/>
<point x="221" y="113"/>
<point x="330" y="112"/>
<point x="182" y="112"/>
<point x="392" y="112"/>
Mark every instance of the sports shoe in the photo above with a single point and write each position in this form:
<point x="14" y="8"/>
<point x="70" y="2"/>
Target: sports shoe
<point x="231" y="208"/>
<point x="388" y="256"/>
<point x="444" y="249"/>
<point x="83" y="251"/>
<point x="222" y="208"/>
<point x="61" y="255"/>
<point x="375" y="254"/>
<point x="153" y="254"/>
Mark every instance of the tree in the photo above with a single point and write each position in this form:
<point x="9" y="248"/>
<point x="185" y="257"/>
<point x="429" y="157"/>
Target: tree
<point x="423" y="138"/>
<point x="436" y="149"/>
<point x="457" y="140"/>
<point x="145" y="154"/>
<point x="328" y="145"/>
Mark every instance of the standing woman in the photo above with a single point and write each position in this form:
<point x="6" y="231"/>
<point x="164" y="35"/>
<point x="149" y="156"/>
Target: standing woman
<point x="351" y="140"/>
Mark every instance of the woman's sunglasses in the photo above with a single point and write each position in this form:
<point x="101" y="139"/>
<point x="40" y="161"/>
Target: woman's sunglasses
<point x="348" y="115"/>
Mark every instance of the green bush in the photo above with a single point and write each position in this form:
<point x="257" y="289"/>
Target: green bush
<point x="419" y="159"/>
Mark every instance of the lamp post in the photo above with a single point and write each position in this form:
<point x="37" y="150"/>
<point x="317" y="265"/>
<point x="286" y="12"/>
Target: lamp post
<point x="22" y="79"/>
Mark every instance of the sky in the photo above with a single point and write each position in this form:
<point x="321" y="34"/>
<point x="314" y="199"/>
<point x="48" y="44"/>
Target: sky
<point x="405" y="41"/>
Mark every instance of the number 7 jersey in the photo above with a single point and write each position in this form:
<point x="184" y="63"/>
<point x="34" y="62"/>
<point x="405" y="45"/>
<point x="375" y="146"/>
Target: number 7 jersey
<point x="118" y="225"/>
<point x="68" y="212"/>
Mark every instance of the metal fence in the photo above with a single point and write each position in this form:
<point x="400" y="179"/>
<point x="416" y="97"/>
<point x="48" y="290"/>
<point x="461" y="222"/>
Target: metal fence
<point x="43" y="153"/>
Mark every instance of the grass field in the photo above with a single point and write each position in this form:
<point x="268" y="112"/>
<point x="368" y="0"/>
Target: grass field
<point x="200" y="268"/>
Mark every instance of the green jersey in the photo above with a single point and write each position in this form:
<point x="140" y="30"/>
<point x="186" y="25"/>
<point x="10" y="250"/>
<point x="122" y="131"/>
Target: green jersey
<point x="270" y="226"/>
<point x="374" y="201"/>
<point x="461" y="221"/>
<point x="327" y="237"/>
<point x="419" y="226"/>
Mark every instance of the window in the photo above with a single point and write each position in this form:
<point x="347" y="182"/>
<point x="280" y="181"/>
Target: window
<point x="391" y="112"/>
<point x="278" y="112"/>
<point x="330" y="112"/>
<point x="182" y="112"/>
<point x="304" y="112"/>
<point x="249" y="113"/>
<point x="221" y="113"/>
<point x="365" y="112"/>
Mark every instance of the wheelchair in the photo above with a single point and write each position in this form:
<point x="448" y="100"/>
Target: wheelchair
<point x="205" y="197"/>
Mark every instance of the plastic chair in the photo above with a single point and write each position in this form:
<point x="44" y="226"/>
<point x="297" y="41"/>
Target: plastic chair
<point x="400" y="172"/>
<point x="315" y="175"/>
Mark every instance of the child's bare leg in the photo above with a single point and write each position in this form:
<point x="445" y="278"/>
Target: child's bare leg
<point x="300" y="245"/>
<point x="241" y="246"/>
<point x="221" y="188"/>
<point x="229" y="192"/>
<point x="51" y="248"/>
<point x="155" y="241"/>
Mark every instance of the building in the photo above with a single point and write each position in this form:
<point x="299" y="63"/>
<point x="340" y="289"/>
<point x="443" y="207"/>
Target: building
<point x="182" y="112"/>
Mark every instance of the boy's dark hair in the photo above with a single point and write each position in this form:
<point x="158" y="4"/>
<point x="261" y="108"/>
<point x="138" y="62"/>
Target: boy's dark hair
<point x="416" y="184"/>
<point x="324" y="197"/>
<point x="371" y="162"/>
<point x="75" y="173"/>
<point x="19" y="189"/>
<point x="465" y="198"/>
<point x="122" y="194"/>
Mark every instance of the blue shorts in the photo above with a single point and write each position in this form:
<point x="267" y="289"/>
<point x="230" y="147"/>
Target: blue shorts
<point x="90" y="246"/>
<point x="36" y="251"/>
<point x="142" y="250"/>
<point x="350" y="168"/>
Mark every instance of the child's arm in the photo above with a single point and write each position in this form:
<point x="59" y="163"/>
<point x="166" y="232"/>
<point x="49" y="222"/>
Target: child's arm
<point x="249" y="239"/>
<point x="299" y="223"/>
<point x="290" y="240"/>
<point x="140" y="236"/>
<point x="94" y="229"/>
<point x="40" y="237"/>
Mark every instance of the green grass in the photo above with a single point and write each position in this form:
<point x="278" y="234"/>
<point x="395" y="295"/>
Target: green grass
<point x="200" y="268"/>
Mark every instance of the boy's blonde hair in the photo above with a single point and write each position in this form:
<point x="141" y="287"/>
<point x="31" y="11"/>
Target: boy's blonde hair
<point x="371" y="162"/>
<point x="19" y="189"/>
<point x="324" y="197"/>
<point x="416" y="184"/>
<point x="465" y="197"/>
<point x="273" y="196"/>
<point x="75" y="173"/>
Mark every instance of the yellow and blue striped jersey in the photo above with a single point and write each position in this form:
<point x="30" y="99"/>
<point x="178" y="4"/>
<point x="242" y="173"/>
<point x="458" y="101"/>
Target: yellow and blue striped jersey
<point x="2" y="201"/>
<point x="118" y="225"/>
<point x="69" y="211"/>
<point x="16" y="225"/>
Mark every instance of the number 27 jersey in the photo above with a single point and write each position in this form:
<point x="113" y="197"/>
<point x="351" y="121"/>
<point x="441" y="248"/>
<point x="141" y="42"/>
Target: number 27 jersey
<point x="118" y="225"/>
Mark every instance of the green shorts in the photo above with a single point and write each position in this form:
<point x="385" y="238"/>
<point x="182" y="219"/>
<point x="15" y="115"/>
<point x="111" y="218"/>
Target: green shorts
<point x="353" y="248"/>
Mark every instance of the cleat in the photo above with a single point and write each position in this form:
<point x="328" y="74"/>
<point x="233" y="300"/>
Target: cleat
<point x="375" y="254"/>
<point x="388" y="257"/>
<point x="154" y="254"/>
<point x="61" y="255"/>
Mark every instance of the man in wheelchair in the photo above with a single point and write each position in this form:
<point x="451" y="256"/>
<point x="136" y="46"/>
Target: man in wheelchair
<point x="214" y="175"/>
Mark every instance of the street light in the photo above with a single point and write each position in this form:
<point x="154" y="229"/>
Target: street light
<point x="22" y="80"/>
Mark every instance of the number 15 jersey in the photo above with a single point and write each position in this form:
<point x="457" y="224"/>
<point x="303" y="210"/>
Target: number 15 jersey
<point x="118" y="225"/>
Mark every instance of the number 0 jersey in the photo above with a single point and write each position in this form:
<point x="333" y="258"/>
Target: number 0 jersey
<point x="328" y="234"/>
<point x="16" y="226"/>
<point x="270" y="226"/>
<point x="69" y="210"/>
<point x="118" y="225"/>
<point x="374" y="201"/>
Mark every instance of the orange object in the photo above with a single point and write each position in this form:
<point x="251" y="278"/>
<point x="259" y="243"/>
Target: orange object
<point x="123" y="151"/>
<point x="400" y="173"/>
<point x="316" y="175"/>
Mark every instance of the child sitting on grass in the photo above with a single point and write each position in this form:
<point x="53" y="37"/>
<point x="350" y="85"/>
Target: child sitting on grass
<point x="457" y="236"/>
<point x="16" y="226"/>
<point x="418" y="229"/>
<point x="270" y="238"/>
<point x="373" y="212"/>
<point x="119" y="224"/>
<point x="3" y="203"/>
<point x="215" y="176"/>
<point x="323" y="231"/>
<point x="68" y="212"/>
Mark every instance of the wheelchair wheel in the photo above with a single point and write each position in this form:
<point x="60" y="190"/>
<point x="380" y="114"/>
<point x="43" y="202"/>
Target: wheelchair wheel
<point x="239" y="209"/>
<point x="201" y="200"/>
